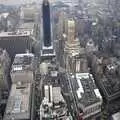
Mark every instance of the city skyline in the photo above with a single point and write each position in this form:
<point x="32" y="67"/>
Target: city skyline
<point x="59" y="60"/>
<point x="15" y="2"/>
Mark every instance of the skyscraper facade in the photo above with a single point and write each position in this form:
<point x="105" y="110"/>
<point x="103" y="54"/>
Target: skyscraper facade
<point x="71" y="30"/>
<point x="46" y="23"/>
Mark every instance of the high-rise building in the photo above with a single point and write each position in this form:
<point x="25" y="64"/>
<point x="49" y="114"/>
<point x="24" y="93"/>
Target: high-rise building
<point x="4" y="71"/>
<point x="60" y="26"/>
<point x="46" y="23"/>
<point x="16" y="42"/>
<point x="5" y="81"/>
<point x="70" y="51"/>
<point x="48" y="51"/>
<point x="21" y="99"/>
<point x="23" y="68"/>
<point x="70" y="30"/>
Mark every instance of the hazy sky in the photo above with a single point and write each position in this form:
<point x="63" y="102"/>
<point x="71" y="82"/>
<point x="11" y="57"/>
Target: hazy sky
<point x="13" y="2"/>
<point x="16" y="1"/>
<point x="21" y="1"/>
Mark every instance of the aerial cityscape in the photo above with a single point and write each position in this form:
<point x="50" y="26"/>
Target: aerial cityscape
<point x="60" y="60"/>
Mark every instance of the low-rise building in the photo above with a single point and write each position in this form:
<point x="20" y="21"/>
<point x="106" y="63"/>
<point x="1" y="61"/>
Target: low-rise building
<point x="106" y="73"/>
<point x="88" y="97"/>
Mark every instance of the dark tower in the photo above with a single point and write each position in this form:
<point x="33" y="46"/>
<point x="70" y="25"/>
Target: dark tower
<point x="46" y="23"/>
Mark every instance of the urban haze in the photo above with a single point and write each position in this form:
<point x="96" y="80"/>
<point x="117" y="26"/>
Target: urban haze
<point x="59" y="60"/>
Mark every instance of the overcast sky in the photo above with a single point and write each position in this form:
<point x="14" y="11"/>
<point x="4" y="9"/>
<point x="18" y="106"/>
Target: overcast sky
<point x="13" y="2"/>
<point x="10" y="2"/>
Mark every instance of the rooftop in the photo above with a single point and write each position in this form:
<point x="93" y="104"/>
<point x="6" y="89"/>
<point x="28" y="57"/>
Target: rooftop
<point x="14" y="34"/>
<point x="18" y="106"/>
<point x="87" y="92"/>
<point x="110" y="81"/>
<point x="59" y="108"/>
<point x="23" y="61"/>
<point x="57" y="96"/>
<point x="116" y="116"/>
<point x="27" y="27"/>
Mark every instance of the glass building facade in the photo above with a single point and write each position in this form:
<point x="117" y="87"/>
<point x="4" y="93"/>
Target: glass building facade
<point x="46" y="24"/>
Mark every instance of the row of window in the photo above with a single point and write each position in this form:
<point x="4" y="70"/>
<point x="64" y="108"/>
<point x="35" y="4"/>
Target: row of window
<point x="92" y="109"/>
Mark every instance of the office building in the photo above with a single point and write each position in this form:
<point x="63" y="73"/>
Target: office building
<point x="80" y="26"/>
<point x="19" y="102"/>
<point x="23" y="68"/>
<point x="53" y="105"/>
<point x="88" y="97"/>
<point x="5" y="81"/>
<point x="28" y="13"/>
<point x="48" y="93"/>
<point x="3" y="21"/>
<point x="48" y="51"/>
<point x="60" y="25"/>
<point x="16" y="42"/>
<point x="80" y="63"/>
<point x="30" y="26"/>
<point x="70" y="51"/>
<point x="46" y="23"/>
<point x="60" y="51"/>
<point x="72" y="44"/>
<point x="70" y="30"/>
<point x="106" y="72"/>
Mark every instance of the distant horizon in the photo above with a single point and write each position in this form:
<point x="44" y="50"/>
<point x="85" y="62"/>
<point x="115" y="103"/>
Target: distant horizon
<point x="15" y="2"/>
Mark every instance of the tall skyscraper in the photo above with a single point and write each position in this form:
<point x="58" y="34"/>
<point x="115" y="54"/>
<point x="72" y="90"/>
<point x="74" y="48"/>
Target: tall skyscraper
<point x="47" y="51"/>
<point x="61" y="23"/>
<point x="46" y="23"/>
<point x="71" y="30"/>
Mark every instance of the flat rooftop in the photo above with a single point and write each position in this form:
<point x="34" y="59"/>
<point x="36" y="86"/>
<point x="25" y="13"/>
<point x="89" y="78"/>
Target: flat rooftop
<point x="14" y="34"/>
<point x="87" y="92"/>
<point x="29" y="25"/>
<point x="110" y="82"/>
<point x="18" y="106"/>
<point x="23" y="59"/>
<point x="111" y="89"/>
